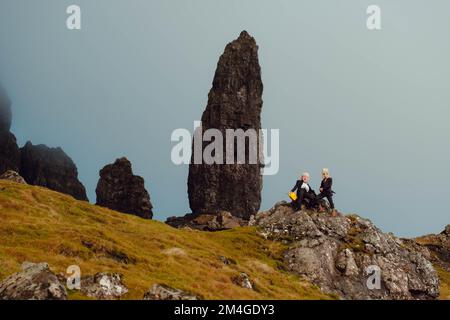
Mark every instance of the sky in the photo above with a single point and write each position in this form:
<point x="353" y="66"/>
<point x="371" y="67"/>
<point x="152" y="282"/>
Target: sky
<point x="372" y="106"/>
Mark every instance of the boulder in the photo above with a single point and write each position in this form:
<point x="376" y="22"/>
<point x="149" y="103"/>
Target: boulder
<point x="12" y="176"/>
<point x="103" y="286"/>
<point x="163" y="292"/>
<point x="51" y="168"/>
<point x="207" y="222"/>
<point x="9" y="151"/>
<point x="339" y="254"/>
<point x="234" y="102"/>
<point x="119" y="189"/>
<point x="243" y="281"/>
<point x="34" y="282"/>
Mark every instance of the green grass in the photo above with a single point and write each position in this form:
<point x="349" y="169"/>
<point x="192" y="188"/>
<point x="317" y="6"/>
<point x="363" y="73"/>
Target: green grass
<point x="444" y="278"/>
<point x="40" y="225"/>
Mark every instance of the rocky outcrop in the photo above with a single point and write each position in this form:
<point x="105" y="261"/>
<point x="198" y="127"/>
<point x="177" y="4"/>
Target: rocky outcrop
<point x="119" y="189"/>
<point x="438" y="246"/>
<point x="234" y="102"/>
<point x="207" y="222"/>
<point x="51" y="168"/>
<point x="342" y="255"/>
<point x="9" y="151"/>
<point x="35" y="282"/>
<point x="163" y="292"/>
<point x="103" y="286"/>
<point x="12" y="176"/>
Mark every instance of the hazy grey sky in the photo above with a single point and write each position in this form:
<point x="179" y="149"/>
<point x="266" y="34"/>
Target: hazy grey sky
<point x="371" y="106"/>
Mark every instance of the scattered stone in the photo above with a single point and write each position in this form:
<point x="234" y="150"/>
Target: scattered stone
<point x="207" y="222"/>
<point x="12" y="176"/>
<point x="119" y="189"/>
<point x="243" y="281"/>
<point x="227" y="261"/>
<point x="51" y="168"/>
<point x="103" y="286"/>
<point x="335" y="252"/>
<point x="175" y="252"/>
<point x="34" y="282"/>
<point x="235" y="102"/>
<point x="163" y="292"/>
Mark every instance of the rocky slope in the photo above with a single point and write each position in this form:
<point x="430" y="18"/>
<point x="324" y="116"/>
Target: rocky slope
<point x="119" y="189"/>
<point x="337" y="254"/>
<point x="65" y="232"/>
<point x="437" y="248"/>
<point x="9" y="151"/>
<point x="279" y="257"/>
<point x="51" y="168"/>
<point x="234" y="102"/>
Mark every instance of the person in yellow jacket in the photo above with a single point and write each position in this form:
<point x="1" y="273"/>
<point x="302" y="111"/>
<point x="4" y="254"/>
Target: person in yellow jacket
<point x="303" y="192"/>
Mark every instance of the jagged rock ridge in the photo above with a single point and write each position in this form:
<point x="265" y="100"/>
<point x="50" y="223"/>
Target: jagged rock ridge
<point x="234" y="102"/>
<point x="335" y="253"/>
<point x="438" y="246"/>
<point x="9" y="151"/>
<point x="51" y="168"/>
<point x="119" y="189"/>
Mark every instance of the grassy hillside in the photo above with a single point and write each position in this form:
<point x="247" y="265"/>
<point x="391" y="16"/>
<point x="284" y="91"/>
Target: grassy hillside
<point x="40" y="225"/>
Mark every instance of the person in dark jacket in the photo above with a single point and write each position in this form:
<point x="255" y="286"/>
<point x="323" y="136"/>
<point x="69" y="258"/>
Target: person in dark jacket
<point x="304" y="191"/>
<point x="326" y="190"/>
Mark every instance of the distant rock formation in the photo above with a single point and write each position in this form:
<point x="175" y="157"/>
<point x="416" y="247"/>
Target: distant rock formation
<point x="119" y="189"/>
<point x="9" y="151"/>
<point x="339" y="254"/>
<point x="235" y="102"/>
<point x="12" y="176"/>
<point x="207" y="222"/>
<point x="35" y="282"/>
<point x="51" y="168"/>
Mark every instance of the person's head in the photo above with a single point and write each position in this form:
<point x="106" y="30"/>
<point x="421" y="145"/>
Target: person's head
<point x="305" y="177"/>
<point x="325" y="173"/>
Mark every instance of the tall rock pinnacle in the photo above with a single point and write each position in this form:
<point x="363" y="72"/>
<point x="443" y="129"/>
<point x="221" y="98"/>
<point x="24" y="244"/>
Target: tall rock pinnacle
<point x="234" y="102"/>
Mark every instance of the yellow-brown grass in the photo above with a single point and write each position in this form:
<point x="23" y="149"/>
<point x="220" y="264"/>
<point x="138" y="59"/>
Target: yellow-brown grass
<point x="40" y="225"/>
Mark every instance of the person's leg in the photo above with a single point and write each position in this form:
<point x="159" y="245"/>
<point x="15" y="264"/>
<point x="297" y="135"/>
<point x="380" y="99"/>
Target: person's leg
<point x="330" y="200"/>
<point x="312" y="200"/>
<point x="300" y="198"/>
<point x="320" y="197"/>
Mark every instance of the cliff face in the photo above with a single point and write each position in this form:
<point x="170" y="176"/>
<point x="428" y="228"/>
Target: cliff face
<point x="119" y="189"/>
<point x="9" y="151"/>
<point x="234" y="102"/>
<point x="51" y="168"/>
<point x="339" y="255"/>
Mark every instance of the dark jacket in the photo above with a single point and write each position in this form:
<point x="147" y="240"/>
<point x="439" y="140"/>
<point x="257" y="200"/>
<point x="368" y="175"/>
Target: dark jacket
<point x="326" y="186"/>
<point x="298" y="186"/>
